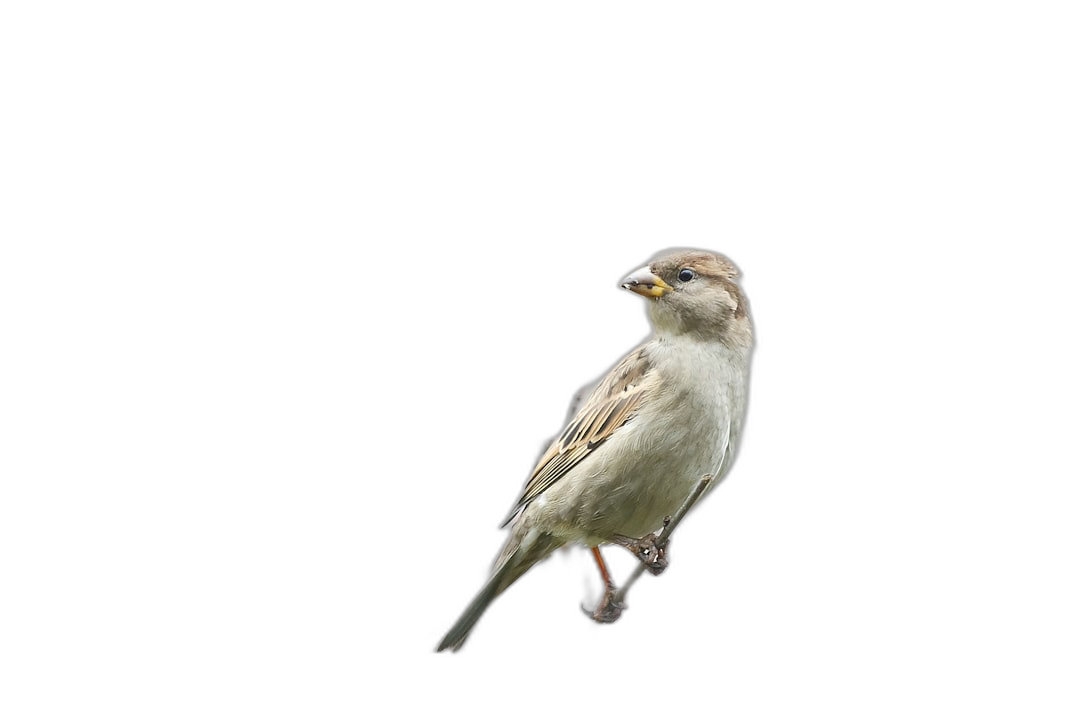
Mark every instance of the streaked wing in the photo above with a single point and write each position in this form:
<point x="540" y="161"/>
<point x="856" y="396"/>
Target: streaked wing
<point x="612" y="403"/>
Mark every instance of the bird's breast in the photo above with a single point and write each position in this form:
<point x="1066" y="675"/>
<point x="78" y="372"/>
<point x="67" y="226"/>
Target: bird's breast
<point x="648" y="468"/>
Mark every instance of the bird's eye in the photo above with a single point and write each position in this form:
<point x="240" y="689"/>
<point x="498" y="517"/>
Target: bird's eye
<point x="686" y="275"/>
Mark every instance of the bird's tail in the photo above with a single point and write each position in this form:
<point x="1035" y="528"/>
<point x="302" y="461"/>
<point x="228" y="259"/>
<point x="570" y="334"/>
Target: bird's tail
<point x="460" y="632"/>
<point x="510" y="567"/>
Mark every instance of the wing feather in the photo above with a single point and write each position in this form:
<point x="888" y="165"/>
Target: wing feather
<point x="611" y="405"/>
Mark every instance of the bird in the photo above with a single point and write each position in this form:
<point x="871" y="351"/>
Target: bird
<point x="667" y="413"/>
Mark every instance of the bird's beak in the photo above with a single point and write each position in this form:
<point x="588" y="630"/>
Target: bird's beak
<point x="644" y="282"/>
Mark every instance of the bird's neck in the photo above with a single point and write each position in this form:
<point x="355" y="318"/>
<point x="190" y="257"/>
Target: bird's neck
<point x="692" y="349"/>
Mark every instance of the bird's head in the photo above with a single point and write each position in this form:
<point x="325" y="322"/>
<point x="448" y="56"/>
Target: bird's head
<point x="694" y="292"/>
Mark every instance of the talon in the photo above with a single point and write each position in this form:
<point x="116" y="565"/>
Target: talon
<point x="608" y="611"/>
<point x="647" y="550"/>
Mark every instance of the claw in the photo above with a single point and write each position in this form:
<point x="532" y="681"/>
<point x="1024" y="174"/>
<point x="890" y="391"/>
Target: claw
<point x="609" y="610"/>
<point x="651" y="554"/>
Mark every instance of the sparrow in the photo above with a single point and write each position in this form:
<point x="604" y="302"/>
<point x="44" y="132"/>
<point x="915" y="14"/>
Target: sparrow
<point x="669" y="412"/>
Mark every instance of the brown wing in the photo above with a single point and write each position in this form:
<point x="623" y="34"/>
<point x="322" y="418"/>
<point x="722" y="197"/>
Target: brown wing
<point x="614" y="402"/>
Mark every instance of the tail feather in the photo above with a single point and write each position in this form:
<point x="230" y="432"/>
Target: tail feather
<point x="460" y="632"/>
<point x="520" y="559"/>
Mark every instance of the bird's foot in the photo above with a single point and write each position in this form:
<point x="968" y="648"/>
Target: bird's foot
<point x="608" y="610"/>
<point x="653" y="555"/>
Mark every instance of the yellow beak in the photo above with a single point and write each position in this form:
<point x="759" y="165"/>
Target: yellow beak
<point x="644" y="282"/>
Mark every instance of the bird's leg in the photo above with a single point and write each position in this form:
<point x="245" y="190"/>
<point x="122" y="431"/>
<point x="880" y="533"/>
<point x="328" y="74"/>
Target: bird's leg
<point x="669" y="527"/>
<point x="609" y="610"/>
<point x="604" y="574"/>
<point x="649" y="550"/>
